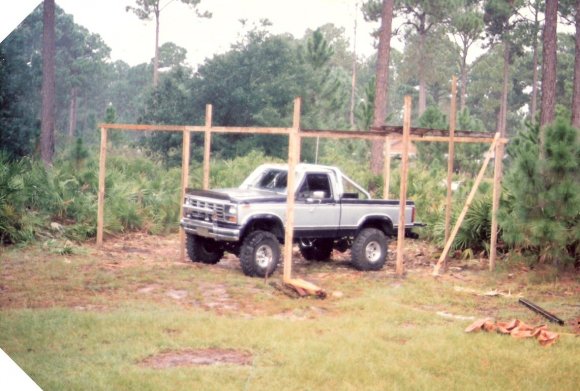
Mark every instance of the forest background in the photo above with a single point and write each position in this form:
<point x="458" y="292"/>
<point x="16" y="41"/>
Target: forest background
<point x="48" y="186"/>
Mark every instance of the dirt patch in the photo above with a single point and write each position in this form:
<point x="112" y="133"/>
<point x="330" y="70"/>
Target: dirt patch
<point x="199" y="357"/>
<point x="216" y="297"/>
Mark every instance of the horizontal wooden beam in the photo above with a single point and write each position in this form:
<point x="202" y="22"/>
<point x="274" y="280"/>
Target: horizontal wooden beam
<point x="439" y="139"/>
<point x="349" y="134"/>
<point x="153" y="128"/>
<point x="250" y="130"/>
<point x="380" y="135"/>
<point x="433" y="132"/>
<point x="306" y="133"/>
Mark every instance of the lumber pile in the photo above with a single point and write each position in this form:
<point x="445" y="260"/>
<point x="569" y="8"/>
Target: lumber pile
<point x="517" y="329"/>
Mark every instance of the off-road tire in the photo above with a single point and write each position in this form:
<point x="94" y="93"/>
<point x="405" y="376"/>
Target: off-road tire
<point x="369" y="250"/>
<point x="204" y="250"/>
<point x="260" y="254"/>
<point x="319" y="250"/>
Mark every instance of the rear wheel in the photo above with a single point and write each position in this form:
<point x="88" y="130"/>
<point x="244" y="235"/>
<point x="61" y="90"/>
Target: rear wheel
<point x="204" y="250"/>
<point x="316" y="250"/>
<point x="369" y="250"/>
<point x="260" y="254"/>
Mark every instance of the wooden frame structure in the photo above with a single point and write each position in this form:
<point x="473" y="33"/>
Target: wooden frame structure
<point x="295" y="135"/>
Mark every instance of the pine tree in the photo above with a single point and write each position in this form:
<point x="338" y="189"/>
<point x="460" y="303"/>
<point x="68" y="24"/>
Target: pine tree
<point x="541" y="214"/>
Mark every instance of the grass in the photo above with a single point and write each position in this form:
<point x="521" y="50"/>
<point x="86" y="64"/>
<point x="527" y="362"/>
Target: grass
<point x="86" y="320"/>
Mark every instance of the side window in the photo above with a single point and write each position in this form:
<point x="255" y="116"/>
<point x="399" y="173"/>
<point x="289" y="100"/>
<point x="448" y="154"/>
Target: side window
<point x="315" y="182"/>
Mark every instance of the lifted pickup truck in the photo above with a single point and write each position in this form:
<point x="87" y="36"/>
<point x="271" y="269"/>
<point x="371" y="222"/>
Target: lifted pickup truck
<point x="331" y="212"/>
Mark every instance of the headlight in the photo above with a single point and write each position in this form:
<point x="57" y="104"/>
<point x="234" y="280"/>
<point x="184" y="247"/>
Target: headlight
<point x="232" y="214"/>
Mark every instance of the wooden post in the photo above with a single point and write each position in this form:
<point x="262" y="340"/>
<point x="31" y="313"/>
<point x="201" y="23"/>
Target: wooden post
<point x="293" y="159"/>
<point x="451" y="153"/>
<point x="466" y="206"/>
<point x="400" y="267"/>
<point x="101" y="195"/>
<point x="207" y="146"/>
<point x="450" y="156"/>
<point x="497" y="175"/>
<point x="184" y="184"/>
<point x="387" y="168"/>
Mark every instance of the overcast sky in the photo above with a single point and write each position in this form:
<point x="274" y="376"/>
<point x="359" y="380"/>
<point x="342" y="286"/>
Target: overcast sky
<point x="132" y="40"/>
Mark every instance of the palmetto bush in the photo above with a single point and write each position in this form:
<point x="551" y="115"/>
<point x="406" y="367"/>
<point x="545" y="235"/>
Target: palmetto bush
<point x="142" y="194"/>
<point x="475" y="231"/>
<point x="36" y="203"/>
<point x="427" y="187"/>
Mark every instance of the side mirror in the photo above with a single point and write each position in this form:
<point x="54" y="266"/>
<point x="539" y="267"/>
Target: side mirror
<point x="318" y="195"/>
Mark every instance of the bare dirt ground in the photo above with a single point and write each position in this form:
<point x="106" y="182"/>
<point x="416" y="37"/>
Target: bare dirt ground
<point x="141" y="267"/>
<point x="199" y="357"/>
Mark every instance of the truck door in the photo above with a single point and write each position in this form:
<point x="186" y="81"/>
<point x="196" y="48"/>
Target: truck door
<point x="317" y="212"/>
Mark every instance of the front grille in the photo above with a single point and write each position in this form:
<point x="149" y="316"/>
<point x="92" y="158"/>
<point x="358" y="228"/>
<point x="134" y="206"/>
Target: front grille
<point x="203" y="210"/>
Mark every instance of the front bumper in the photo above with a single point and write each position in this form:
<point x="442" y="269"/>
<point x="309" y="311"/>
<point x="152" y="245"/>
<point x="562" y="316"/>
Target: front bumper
<point x="210" y="230"/>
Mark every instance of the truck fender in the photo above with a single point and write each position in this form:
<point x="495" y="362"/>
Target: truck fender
<point x="380" y="222"/>
<point x="265" y="222"/>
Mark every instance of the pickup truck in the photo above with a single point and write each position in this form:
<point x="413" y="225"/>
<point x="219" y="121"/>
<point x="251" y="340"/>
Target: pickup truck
<point x="331" y="212"/>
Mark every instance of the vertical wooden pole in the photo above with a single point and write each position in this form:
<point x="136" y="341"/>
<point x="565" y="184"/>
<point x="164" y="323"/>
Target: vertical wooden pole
<point x="207" y="146"/>
<point x="400" y="267"/>
<point x="184" y="184"/>
<point x="497" y="175"/>
<point x="451" y="153"/>
<point x="466" y="206"/>
<point x="101" y="195"/>
<point x="293" y="159"/>
<point x="387" y="168"/>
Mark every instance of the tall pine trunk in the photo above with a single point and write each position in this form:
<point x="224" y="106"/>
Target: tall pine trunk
<point x="382" y="78"/>
<point x="576" y="92"/>
<point x="422" y="105"/>
<point x="502" y="117"/>
<point x="48" y="84"/>
<point x="156" y="58"/>
<point x="353" y="75"/>
<point x="463" y="90"/>
<point x="534" y="102"/>
<point x="548" y="104"/>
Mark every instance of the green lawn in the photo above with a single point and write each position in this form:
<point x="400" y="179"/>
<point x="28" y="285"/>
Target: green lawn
<point x="87" y="321"/>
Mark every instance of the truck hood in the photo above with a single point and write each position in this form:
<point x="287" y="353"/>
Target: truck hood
<point x="238" y="195"/>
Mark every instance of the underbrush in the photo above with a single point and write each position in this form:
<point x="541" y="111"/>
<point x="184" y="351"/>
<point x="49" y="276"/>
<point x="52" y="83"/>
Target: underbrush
<point x="142" y="194"/>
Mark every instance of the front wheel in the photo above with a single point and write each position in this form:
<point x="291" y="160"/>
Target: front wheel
<point x="260" y="254"/>
<point x="203" y="250"/>
<point x="369" y="250"/>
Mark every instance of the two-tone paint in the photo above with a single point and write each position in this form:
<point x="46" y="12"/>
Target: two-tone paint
<point x="230" y="214"/>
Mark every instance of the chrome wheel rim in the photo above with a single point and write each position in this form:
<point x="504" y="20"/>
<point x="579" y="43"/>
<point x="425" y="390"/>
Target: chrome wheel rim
<point x="373" y="251"/>
<point x="264" y="256"/>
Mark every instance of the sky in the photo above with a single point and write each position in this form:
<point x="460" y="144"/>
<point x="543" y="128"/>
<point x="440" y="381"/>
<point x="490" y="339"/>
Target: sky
<point x="132" y="40"/>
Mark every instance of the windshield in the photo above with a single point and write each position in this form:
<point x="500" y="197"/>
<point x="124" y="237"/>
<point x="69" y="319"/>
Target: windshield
<point x="273" y="179"/>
